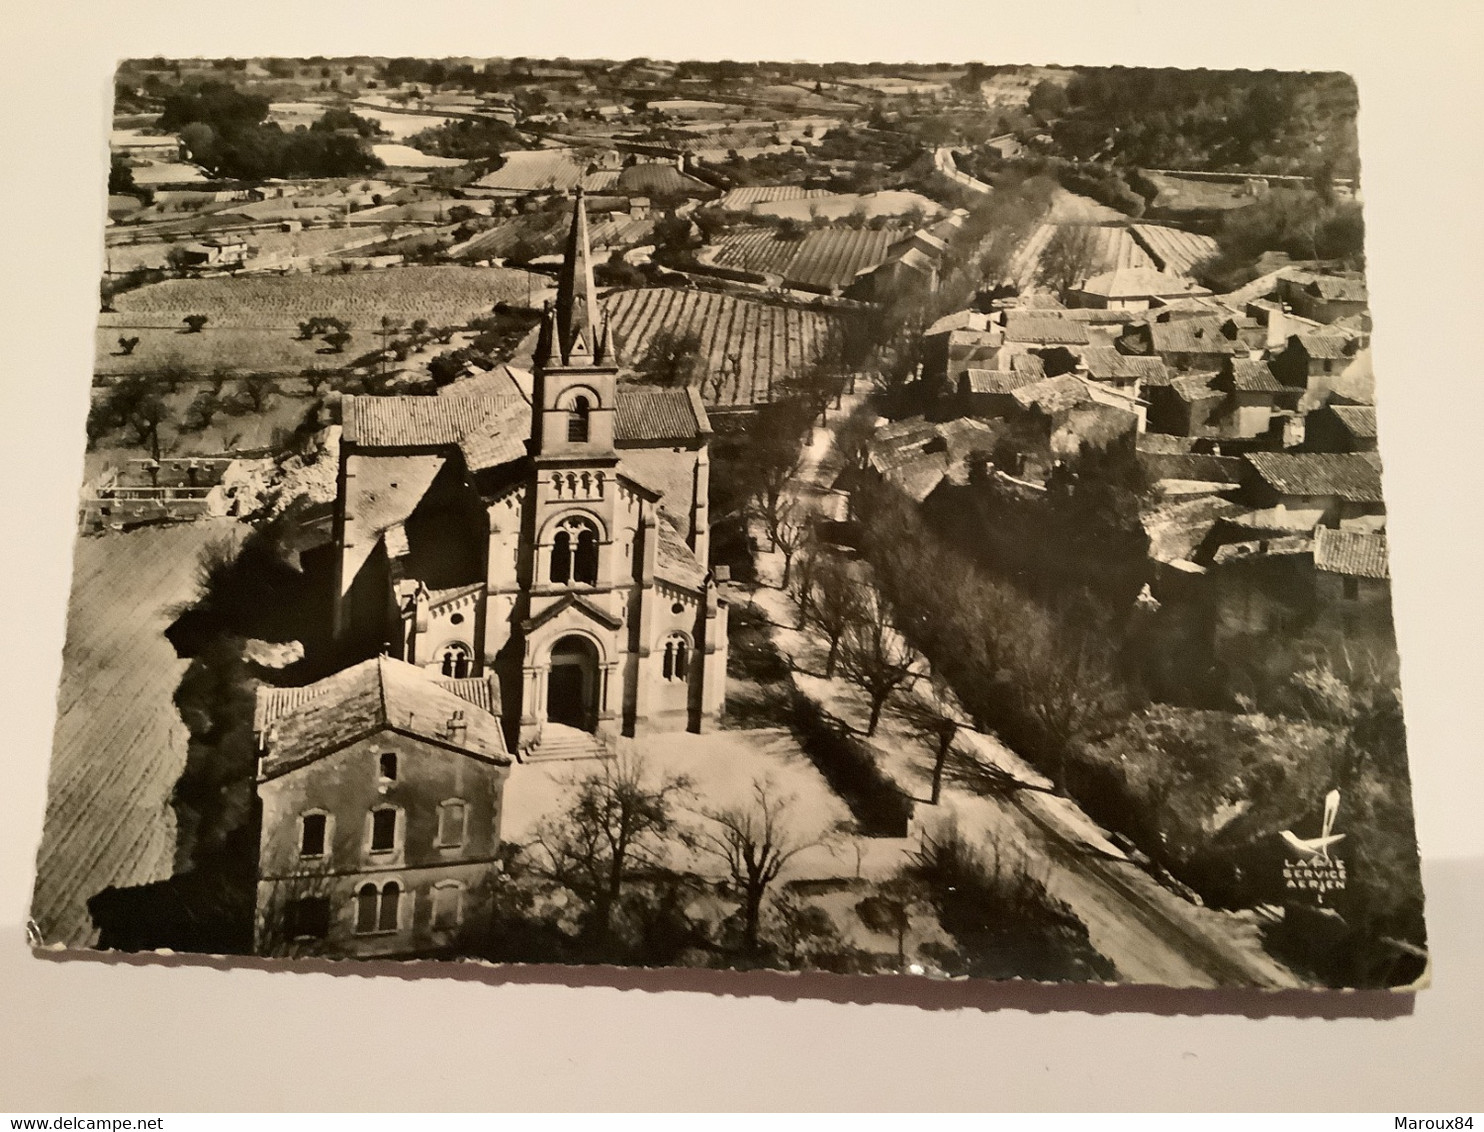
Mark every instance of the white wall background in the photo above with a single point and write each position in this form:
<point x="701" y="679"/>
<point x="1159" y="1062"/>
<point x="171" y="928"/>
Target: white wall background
<point x="88" y="1035"/>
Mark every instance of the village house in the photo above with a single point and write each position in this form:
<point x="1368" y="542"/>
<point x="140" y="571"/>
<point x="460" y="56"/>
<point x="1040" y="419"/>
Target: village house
<point x="1134" y="289"/>
<point x="1185" y="344"/>
<point x="380" y="790"/>
<point x="560" y="543"/>
<point x="1323" y="298"/>
<point x="1341" y="428"/>
<point x="1307" y="358"/>
<point x="1252" y="393"/>
<point x="217" y="251"/>
<point x="1344" y="487"/>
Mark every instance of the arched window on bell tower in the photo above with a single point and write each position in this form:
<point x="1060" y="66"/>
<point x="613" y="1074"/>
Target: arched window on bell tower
<point x="577" y="421"/>
<point x="574" y="552"/>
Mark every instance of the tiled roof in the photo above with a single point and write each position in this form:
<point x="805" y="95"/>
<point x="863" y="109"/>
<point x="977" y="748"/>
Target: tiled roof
<point x="1359" y="420"/>
<point x="675" y="561"/>
<point x="993" y="381"/>
<point x="492" y="429"/>
<point x="1191" y="466"/>
<point x="1358" y="554"/>
<point x="380" y="492"/>
<point x="1250" y="376"/>
<point x="1194" y="387"/>
<point x="1140" y="283"/>
<point x="958" y="320"/>
<point x="1332" y="287"/>
<point x="660" y="414"/>
<point x="299" y="725"/>
<point x="1350" y="476"/>
<point x="1044" y="330"/>
<point x="1027" y="363"/>
<point x="1052" y="394"/>
<point x="1106" y="363"/>
<point x="919" y="476"/>
<point x="1329" y="347"/>
<point x="1190" y="336"/>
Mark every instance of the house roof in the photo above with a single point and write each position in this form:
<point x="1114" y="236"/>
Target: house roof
<point x="1107" y="364"/>
<point x="1052" y="394"/>
<point x="1140" y="283"/>
<point x="660" y="414"/>
<point x="1358" y="420"/>
<point x="296" y="726"/>
<point x="1332" y="287"/>
<point x="1191" y="466"/>
<point x="993" y="381"/>
<point x="1252" y="376"/>
<point x="1326" y="347"/>
<point x="1350" y="476"/>
<point x="1194" y="386"/>
<point x="1027" y="363"/>
<point x="380" y="492"/>
<point x="958" y="320"/>
<point x="1044" y="330"/>
<point x="492" y="429"/>
<point x="1190" y="336"/>
<point x="675" y="561"/>
<point x="919" y="475"/>
<point x="1356" y="554"/>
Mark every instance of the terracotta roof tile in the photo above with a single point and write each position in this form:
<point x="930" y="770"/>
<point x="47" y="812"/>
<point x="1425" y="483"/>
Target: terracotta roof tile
<point x="1357" y="554"/>
<point x="1350" y="476"/>
<point x="300" y="725"/>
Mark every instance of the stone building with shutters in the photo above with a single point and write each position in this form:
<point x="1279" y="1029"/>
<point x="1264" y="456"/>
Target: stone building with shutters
<point x="552" y="537"/>
<point x="381" y="793"/>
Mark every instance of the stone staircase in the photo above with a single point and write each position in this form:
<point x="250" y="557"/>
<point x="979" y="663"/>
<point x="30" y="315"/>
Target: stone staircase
<point x="558" y="741"/>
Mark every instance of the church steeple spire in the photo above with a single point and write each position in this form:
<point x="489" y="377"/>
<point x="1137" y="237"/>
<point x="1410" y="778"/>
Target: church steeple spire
<point x="571" y="334"/>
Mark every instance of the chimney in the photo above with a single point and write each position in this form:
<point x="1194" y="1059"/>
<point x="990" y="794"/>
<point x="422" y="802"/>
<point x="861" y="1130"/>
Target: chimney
<point x="458" y="729"/>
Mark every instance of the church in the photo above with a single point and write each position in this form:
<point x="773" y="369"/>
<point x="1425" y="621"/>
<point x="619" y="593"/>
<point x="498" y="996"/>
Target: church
<point x="551" y="535"/>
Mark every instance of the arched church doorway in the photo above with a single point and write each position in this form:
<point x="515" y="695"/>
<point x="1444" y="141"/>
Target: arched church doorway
<point x="572" y="687"/>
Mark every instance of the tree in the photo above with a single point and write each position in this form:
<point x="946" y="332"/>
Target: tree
<point x="613" y="823"/>
<point x="832" y="605"/>
<point x="258" y="388"/>
<point x="195" y="323"/>
<point x="787" y="524"/>
<point x="1064" y="680"/>
<point x="202" y="410"/>
<point x="874" y="656"/>
<point x="755" y="841"/>
<point x="933" y="714"/>
<point x="336" y="340"/>
<point x="126" y="345"/>
<point x="671" y="358"/>
<point x="120" y="177"/>
<point x="1069" y="257"/>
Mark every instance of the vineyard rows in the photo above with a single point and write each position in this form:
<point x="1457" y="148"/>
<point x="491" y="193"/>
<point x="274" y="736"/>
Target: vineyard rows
<point x="758" y="344"/>
<point x="438" y="294"/>
<point x="824" y="258"/>
<point x="1115" y="248"/>
<point x="1178" y="250"/>
<point x="119" y="745"/>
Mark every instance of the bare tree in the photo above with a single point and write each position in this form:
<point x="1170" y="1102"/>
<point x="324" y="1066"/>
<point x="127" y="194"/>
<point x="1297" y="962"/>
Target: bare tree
<point x="873" y="655"/>
<point x="257" y="388"/>
<point x="1067" y="687"/>
<point x="614" y="823"/>
<point x="787" y="524"/>
<point x="832" y="605"/>
<point x="934" y="714"/>
<point x="1069" y="257"/>
<point x="755" y="841"/>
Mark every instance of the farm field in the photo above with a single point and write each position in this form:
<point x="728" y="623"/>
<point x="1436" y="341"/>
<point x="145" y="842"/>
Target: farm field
<point x="546" y="234"/>
<point x="1179" y="194"/>
<point x="436" y="293"/>
<point x="761" y="343"/>
<point x="1177" y="250"/>
<point x="824" y="258"/>
<point x="119" y="745"/>
<point x="399" y="126"/>
<point x="397" y="156"/>
<point x="1116" y="248"/>
<point x="837" y="206"/>
<point x="237" y="349"/>
<point x="530" y="170"/>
